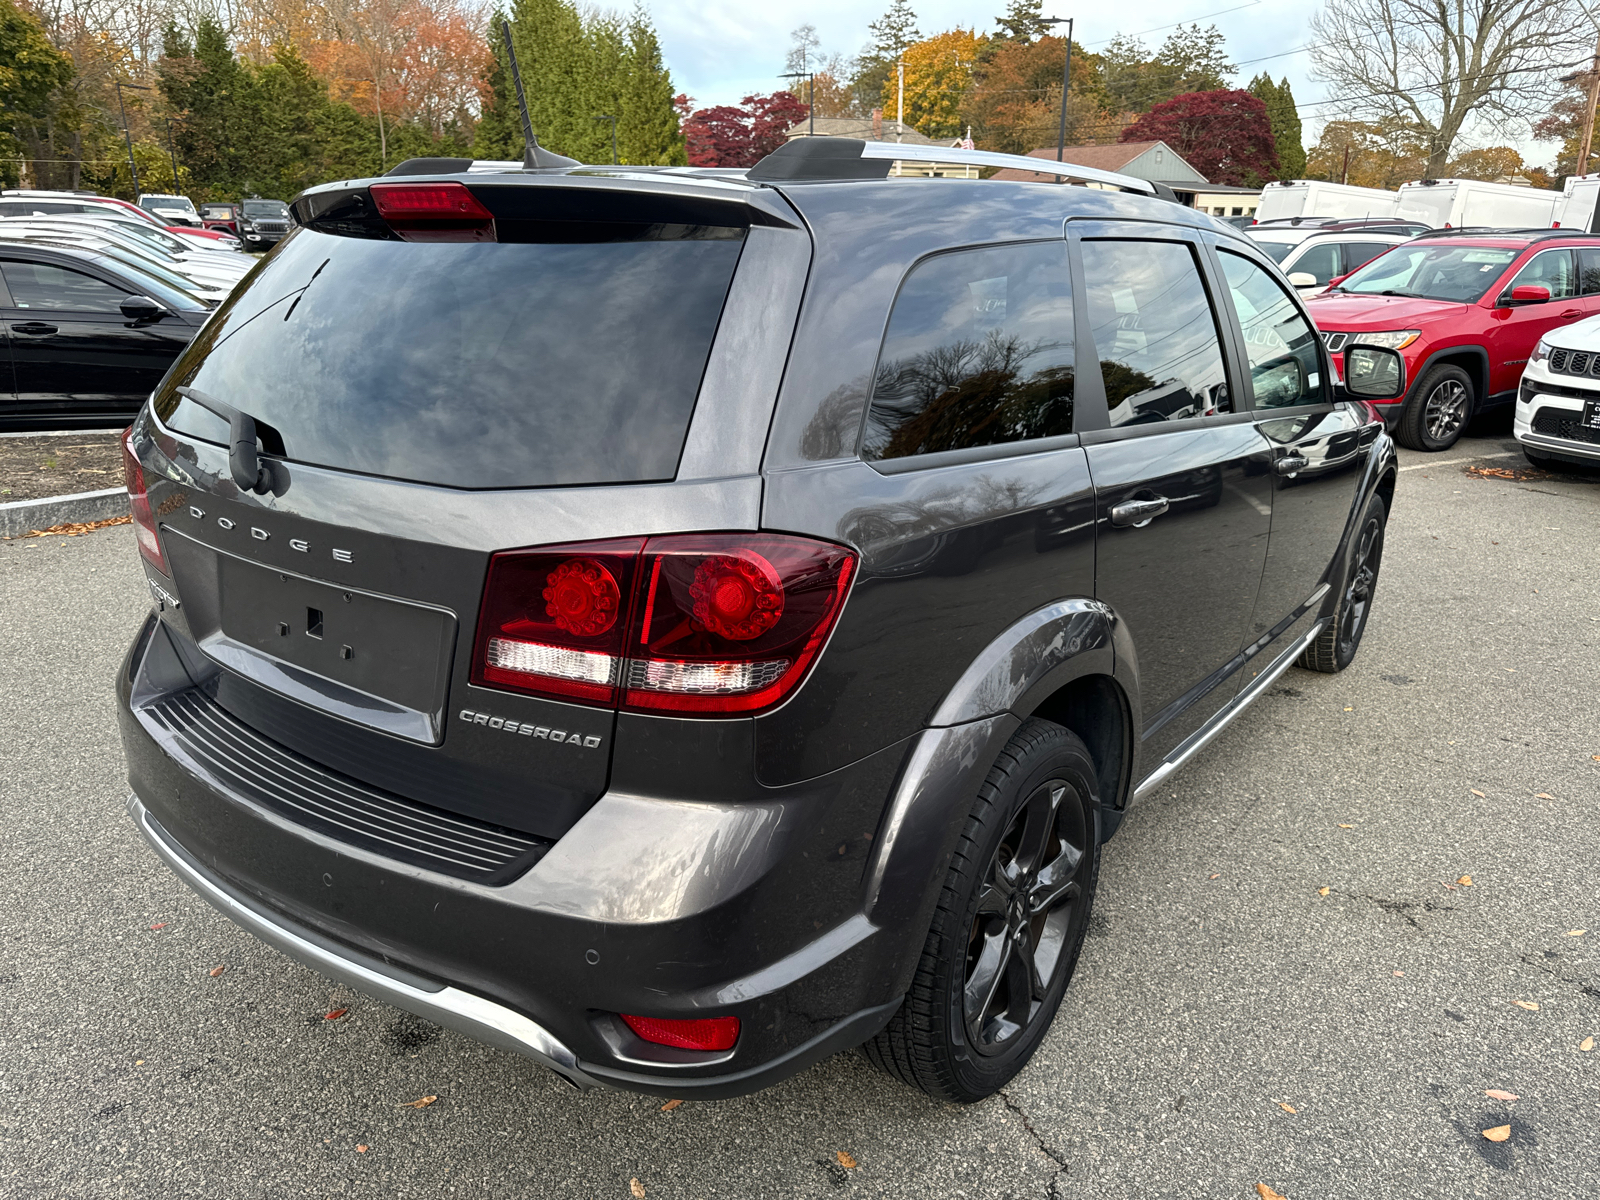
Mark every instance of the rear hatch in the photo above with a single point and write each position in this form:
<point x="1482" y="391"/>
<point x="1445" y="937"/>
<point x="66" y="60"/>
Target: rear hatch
<point x="426" y="396"/>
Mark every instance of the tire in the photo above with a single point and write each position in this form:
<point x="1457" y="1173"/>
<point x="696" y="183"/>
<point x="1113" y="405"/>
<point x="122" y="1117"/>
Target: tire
<point x="1440" y="407"/>
<point x="1337" y="645"/>
<point x="1032" y="839"/>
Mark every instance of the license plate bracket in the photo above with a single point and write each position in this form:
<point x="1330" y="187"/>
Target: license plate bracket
<point x="1591" y="414"/>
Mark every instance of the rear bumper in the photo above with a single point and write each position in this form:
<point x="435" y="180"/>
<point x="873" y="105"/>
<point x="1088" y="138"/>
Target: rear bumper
<point x="646" y="906"/>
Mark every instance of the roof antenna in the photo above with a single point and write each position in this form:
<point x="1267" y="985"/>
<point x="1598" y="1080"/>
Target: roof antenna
<point x="534" y="156"/>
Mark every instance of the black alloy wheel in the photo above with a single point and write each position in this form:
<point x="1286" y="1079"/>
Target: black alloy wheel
<point x="1437" y="411"/>
<point x="1336" y="647"/>
<point x="1009" y="925"/>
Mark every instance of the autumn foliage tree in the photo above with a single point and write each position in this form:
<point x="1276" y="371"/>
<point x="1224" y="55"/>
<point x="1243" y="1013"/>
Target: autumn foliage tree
<point x="725" y="136"/>
<point x="1224" y="135"/>
<point x="1014" y="104"/>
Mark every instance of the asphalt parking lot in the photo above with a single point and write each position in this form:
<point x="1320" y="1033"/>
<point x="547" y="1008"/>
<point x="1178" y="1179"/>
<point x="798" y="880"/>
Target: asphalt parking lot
<point x="1285" y="983"/>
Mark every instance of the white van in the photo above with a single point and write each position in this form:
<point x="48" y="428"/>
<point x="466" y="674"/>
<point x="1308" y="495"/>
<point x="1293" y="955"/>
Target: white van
<point x="1319" y="198"/>
<point x="1577" y="209"/>
<point x="1459" y="203"/>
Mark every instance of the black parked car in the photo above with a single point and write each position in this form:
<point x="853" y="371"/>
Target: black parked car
<point x="262" y="224"/>
<point x="89" y="336"/>
<point x="680" y="628"/>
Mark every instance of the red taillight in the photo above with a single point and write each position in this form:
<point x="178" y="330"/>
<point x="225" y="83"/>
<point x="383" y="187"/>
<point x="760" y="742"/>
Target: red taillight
<point x="553" y="620"/>
<point x="433" y="212"/>
<point x="144" y="521"/>
<point x="692" y="623"/>
<point x="706" y="1033"/>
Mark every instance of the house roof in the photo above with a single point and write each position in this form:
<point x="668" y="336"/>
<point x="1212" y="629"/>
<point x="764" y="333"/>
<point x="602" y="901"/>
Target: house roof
<point x="1113" y="156"/>
<point x="861" y="127"/>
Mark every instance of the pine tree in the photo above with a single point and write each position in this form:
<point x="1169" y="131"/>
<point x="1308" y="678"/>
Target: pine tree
<point x="1021" y="22"/>
<point x="647" y="124"/>
<point x="894" y="31"/>
<point x="1285" y="119"/>
<point x="499" y="132"/>
<point x="554" y="55"/>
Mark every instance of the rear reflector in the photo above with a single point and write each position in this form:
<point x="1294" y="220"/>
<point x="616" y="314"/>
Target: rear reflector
<point x="144" y="521"/>
<point x="708" y="1033"/>
<point x="691" y="623"/>
<point x="433" y="212"/>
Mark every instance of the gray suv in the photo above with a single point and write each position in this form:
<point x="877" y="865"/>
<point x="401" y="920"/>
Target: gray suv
<point x="680" y="626"/>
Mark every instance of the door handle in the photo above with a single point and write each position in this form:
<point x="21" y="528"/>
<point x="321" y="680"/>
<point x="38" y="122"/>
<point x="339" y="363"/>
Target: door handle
<point x="1568" y="314"/>
<point x="1136" y="514"/>
<point x="35" y="327"/>
<point x="1290" y="463"/>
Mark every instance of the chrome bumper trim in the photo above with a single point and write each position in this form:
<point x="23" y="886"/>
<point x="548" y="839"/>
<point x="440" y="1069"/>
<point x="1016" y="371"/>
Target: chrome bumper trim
<point x="451" y="1007"/>
<point x="1203" y="736"/>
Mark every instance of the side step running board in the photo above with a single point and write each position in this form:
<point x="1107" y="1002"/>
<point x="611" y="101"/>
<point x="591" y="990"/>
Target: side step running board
<point x="1202" y="737"/>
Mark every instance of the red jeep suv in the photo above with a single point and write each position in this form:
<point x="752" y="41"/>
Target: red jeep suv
<point x="1465" y="308"/>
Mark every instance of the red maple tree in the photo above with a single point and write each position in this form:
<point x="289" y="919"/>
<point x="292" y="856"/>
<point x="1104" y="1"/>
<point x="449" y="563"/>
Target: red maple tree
<point x="1226" y="136"/>
<point x="725" y="136"/>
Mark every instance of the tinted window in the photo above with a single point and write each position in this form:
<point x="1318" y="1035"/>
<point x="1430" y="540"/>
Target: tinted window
<point x="1284" y="367"/>
<point x="266" y="208"/>
<point x="1551" y="269"/>
<point x="1359" y="254"/>
<point x="1459" y="273"/>
<point x="475" y="365"/>
<point x="1589" y="271"/>
<point x="1154" y="331"/>
<point x="978" y="353"/>
<point x="1276" y="251"/>
<point x="57" y="289"/>
<point x="28" y="208"/>
<point x="1320" y="261"/>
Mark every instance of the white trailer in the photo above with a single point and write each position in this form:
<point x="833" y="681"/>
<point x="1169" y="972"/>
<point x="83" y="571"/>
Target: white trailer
<point x="1459" y="203"/>
<point x="1319" y="198"/>
<point x="1577" y="210"/>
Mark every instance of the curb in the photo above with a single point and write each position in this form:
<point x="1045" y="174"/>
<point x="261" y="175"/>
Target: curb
<point x="25" y="516"/>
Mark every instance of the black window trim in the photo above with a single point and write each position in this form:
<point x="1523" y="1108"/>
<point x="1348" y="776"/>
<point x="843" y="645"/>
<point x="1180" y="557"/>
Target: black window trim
<point x="83" y="266"/>
<point x="971" y="454"/>
<point x="1090" y="385"/>
<point x="1242" y="351"/>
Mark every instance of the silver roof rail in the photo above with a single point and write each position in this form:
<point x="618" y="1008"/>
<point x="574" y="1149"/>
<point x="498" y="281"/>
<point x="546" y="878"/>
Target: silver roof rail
<point x="1017" y="162"/>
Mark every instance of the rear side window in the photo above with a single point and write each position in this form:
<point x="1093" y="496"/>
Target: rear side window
<point x="57" y="289"/>
<point x="1320" y="261"/>
<point x="471" y="365"/>
<point x="1589" y="271"/>
<point x="1359" y="254"/>
<point x="1160" y="356"/>
<point x="978" y="353"/>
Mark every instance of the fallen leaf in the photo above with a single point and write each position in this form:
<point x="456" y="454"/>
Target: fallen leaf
<point x="1498" y="1134"/>
<point x="1288" y="1108"/>
<point x="215" y="971"/>
<point x="1477" y="793"/>
<point x="1322" y="891"/>
<point x="845" y="1161"/>
<point x="163" y="925"/>
<point x="1267" y="1193"/>
<point x="1402" y="974"/>
<point x="1218" y="876"/>
<point x="335" y="1014"/>
<point x="1497" y="1094"/>
<point x="1586" y="1045"/>
<point x="361" y="1149"/>
<point x="636" y="1188"/>
<point x="670" y="1105"/>
<point x="1543" y="796"/>
<point x="1347" y="827"/>
<point x="421" y="1103"/>
<point x="1530" y="1005"/>
<point x="138" y="1062"/>
<point x="1465" y="881"/>
<point x="1349" y="709"/>
<point x="1576" y="932"/>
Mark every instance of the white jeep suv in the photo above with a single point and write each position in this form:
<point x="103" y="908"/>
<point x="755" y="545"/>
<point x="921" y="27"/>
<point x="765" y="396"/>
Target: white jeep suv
<point x="1558" y="403"/>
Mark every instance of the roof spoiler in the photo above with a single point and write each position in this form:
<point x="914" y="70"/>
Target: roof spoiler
<point x="830" y="158"/>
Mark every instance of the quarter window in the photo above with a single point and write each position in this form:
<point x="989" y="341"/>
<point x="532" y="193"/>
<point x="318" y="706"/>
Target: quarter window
<point x="978" y="353"/>
<point x="1285" y="369"/>
<point x="1589" y="271"/>
<point x="1160" y="356"/>
<point x="56" y="289"/>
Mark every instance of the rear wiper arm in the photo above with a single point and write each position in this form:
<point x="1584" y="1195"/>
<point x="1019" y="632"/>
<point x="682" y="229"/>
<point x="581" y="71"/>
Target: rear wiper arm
<point x="250" y="472"/>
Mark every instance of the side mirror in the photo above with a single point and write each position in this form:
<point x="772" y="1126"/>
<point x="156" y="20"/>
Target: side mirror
<point x="1374" y="373"/>
<point x="1302" y="279"/>
<point x="1529" y="293"/>
<point x="1280" y="383"/>
<point x="142" y="308"/>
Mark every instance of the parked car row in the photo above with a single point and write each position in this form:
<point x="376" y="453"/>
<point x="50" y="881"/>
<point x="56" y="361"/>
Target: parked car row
<point x="260" y="224"/>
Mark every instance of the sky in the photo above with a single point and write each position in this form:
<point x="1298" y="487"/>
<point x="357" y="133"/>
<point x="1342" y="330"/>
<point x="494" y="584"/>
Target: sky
<point x="722" y="50"/>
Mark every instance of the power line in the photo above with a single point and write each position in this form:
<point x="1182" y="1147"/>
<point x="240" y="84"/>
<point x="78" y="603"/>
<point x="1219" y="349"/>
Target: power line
<point x="1174" y="25"/>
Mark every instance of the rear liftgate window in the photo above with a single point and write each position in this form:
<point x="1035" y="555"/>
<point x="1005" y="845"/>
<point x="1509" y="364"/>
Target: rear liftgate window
<point x="475" y="364"/>
<point x="978" y="353"/>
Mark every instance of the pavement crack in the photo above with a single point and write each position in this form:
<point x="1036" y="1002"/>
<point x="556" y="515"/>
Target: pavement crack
<point x="1038" y="1140"/>
<point x="1583" y="985"/>
<point x="1404" y="908"/>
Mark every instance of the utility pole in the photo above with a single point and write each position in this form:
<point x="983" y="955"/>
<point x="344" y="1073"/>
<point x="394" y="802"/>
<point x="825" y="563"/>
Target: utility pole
<point x="1344" y="172"/>
<point x="1592" y="75"/>
<point x="811" y="96"/>
<point x="1066" y="80"/>
<point x="612" y="118"/>
<point x="127" y="133"/>
<point x="900" y="99"/>
<point x="173" y="155"/>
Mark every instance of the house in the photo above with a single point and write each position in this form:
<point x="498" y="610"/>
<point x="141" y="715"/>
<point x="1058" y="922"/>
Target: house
<point x="1155" y="161"/>
<point x="876" y="129"/>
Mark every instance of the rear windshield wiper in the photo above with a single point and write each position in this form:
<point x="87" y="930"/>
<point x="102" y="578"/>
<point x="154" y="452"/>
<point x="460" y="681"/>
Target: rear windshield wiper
<point x="250" y="472"/>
